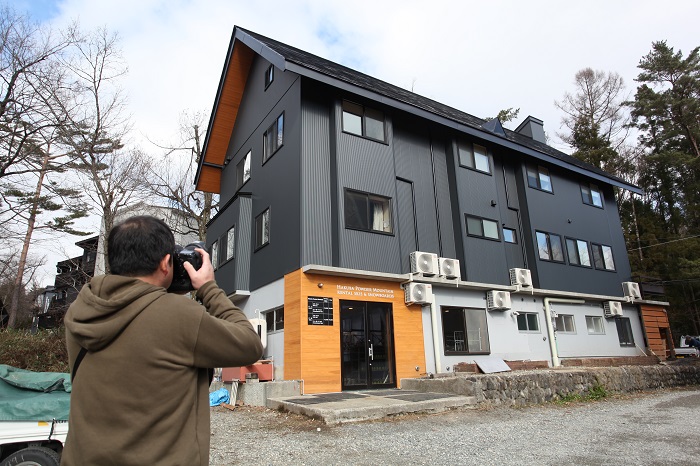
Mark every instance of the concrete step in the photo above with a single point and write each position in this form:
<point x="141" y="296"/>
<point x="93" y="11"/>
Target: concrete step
<point x="354" y="406"/>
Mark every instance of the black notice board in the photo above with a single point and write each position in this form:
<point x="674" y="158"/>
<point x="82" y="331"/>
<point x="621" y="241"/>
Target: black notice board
<point x="320" y="311"/>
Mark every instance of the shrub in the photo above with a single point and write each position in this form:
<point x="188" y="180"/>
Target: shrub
<point x="43" y="352"/>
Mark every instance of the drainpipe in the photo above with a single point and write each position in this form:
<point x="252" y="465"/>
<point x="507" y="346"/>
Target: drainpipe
<point x="436" y="342"/>
<point x="550" y="328"/>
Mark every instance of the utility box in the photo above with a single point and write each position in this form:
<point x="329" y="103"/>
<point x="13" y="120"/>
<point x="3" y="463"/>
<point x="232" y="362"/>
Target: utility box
<point x="263" y="368"/>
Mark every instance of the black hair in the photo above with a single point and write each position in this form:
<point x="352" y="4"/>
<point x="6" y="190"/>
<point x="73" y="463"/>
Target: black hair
<point x="136" y="246"/>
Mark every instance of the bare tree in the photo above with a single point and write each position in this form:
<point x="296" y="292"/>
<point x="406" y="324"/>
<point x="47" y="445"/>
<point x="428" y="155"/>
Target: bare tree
<point x="111" y="175"/>
<point x="172" y="179"/>
<point x="597" y="103"/>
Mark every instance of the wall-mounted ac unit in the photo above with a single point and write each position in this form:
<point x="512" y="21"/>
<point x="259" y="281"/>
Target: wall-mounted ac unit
<point x="498" y="300"/>
<point x="521" y="277"/>
<point x="449" y="268"/>
<point x="631" y="290"/>
<point x="418" y="293"/>
<point x="425" y="263"/>
<point x="612" y="308"/>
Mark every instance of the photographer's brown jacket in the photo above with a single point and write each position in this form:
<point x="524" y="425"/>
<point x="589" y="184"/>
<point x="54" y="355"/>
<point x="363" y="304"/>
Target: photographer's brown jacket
<point x="141" y="393"/>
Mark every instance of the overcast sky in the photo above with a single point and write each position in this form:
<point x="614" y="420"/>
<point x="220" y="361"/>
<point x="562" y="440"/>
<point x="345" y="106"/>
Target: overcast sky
<point x="479" y="57"/>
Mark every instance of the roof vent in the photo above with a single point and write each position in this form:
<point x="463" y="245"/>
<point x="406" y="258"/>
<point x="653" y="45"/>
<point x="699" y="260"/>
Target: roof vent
<point x="532" y="128"/>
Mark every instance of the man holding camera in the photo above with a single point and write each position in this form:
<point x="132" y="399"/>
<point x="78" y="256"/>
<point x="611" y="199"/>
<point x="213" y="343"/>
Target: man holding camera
<point x="139" y="356"/>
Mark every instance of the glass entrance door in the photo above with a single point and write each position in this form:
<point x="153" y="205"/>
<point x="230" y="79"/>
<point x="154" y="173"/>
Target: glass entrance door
<point x="367" y="345"/>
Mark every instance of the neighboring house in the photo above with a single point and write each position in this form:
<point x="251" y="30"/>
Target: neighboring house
<point x="331" y="180"/>
<point x="175" y="219"/>
<point x="71" y="275"/>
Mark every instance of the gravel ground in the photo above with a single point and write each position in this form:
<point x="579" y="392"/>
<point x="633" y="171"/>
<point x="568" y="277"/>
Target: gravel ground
<point x="643" y="429"/>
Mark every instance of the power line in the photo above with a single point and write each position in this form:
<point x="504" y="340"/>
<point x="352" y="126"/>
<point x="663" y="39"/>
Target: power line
<point x="666" y="242"/>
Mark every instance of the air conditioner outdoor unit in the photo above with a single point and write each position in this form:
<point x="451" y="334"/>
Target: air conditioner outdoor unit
<point x="425" y="263"/>
<point x="498" y="300"/>
<point x="631" y="290"/>
<point x="418" y="293"/>
<point x="612" y="308"/>
<point x="521" y="277"/>
<point x="449" y="268"/>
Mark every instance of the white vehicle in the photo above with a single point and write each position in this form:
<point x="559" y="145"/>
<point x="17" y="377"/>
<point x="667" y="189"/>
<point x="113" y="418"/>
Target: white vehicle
<point x="32" y="443"/>
<point x="684" y="350"/>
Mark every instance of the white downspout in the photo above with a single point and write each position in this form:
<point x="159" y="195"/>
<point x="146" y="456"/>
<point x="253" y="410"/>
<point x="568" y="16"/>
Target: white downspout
<point x="436" y="342"/>
<point x="550" y="329"/>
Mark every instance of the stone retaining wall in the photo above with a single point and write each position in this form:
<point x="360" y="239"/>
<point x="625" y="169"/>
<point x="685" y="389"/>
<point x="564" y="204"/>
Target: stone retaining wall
<point x="531" y="387"/>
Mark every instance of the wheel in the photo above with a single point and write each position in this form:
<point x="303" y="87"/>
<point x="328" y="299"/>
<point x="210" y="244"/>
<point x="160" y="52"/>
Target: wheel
<point x="33" y="456"/>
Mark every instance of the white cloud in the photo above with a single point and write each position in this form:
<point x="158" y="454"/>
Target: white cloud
<point x="479" y="57"/>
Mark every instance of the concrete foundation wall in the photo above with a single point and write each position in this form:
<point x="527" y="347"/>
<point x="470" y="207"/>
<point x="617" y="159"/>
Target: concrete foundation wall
<point x="522" y="388"/>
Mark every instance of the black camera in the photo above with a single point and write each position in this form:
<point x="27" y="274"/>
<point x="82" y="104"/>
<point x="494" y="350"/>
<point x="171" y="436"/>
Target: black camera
<point x="181" y="280"/>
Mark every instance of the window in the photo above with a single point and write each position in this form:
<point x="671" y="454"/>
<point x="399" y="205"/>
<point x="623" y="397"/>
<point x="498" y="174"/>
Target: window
<point x="509" y="235"/>
<point x="262" y="229"/>
<point x="528" y="322"/>
<point x="367" y="212"/>
<point x="464" y="331"/>
<point x="577" y="251"/>
<point x="624" y="331"/>
<point x="482" y="227"/>
<point x="269" y="76"/>
<point x="602" y="257"/>
<point x="591" y="195"/>
<point x="539" y="178"/>
<point x="565" y="323"/>
<point x="230" y="243"/>
<point x="273" y="138"/>
<point x="275" y="320"/>
<point x="474" y="156"/>
<point x="215" y="254"/>
<point x="243" y="170"/>
<point x="363" y="121"/>
<point x="549" y="247"/>
<point x="594" y="324"/>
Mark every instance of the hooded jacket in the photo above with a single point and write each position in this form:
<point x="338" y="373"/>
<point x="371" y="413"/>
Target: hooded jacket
<point x="141" y="393"/>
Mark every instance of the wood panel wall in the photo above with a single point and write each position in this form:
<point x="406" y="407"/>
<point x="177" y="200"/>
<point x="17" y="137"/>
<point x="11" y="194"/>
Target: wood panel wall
<point x="313" y="352"/>
<point x="656" y="323"/>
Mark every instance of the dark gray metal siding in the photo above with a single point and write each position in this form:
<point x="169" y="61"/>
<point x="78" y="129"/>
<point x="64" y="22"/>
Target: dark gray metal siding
<point x="407" y="222"/>
<point x="565" y="214"/>
<point x="367" y="166"/>
<point x="484" y="259"/>
<point x="316" y="200"/>
<point x="234" y="274"/>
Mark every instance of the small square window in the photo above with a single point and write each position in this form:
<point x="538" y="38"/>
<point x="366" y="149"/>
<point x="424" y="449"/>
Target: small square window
<point x="591" y="195"/>
<point x="474" y="156"/>
<point x="577" y="251"/>
<point x="549" y="247"/>
<point x="482" y="227"/>
<point x="539" y="178"/>
<point x="602" y="257"/>
<point x="594" y="324"/>
<point x="362" y="121"/>
<point x="509" y="235"/>
<point x="565" y="323"/>
<point x="528" y="322"/>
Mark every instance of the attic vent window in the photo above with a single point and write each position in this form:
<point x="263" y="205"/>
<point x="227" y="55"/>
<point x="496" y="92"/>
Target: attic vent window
<point x="363" y="121"/>
<point x="269" y="76"/>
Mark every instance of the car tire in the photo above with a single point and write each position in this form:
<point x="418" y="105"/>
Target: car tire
<point x="33" y="456"/>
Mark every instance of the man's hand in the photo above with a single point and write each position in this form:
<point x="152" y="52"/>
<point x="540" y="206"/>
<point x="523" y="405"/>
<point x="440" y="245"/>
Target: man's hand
<point x="204" y="274"/>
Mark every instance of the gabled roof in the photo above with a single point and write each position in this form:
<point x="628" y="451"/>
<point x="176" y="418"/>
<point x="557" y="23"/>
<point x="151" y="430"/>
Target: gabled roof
<point x="245" y="43"/>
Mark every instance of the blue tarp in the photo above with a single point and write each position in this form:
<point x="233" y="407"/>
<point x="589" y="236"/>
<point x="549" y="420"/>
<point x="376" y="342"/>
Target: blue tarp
<point x="219" y="396"/>
<point x="33" y="396"/>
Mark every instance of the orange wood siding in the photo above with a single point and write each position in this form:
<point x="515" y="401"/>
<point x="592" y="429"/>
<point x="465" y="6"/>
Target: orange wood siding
<point x="229" y="101"/>
<point x="655" y="319"/>
<point x="313" y="352"/>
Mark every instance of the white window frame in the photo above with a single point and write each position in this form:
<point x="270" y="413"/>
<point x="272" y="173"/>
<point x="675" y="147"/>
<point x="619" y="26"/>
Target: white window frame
<point x="595" y="321"/>
<point x="565" y="323"/>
